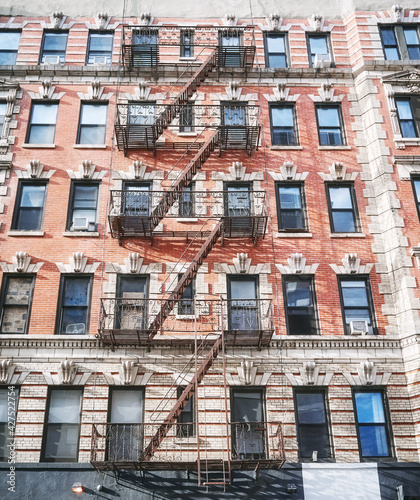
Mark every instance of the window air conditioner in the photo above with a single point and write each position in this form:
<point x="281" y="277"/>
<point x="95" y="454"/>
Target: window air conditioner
<point x="99" y="60"/>
<point x="80" y="224"/>
<point x="75" y="328"/>
<point x="322" y="61"/>
<point x="51" y="60"/>
<point x="359" y="327"/>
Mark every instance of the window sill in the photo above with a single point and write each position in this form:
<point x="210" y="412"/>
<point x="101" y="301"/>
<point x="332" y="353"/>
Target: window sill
<point x="187" y="134"/>
<point x="187" y="58"/>
<point x="347" y="235"/>
<point x="184" y="219"/>
<point x="82" y="234"/>
<point x="27" y="145"/>
<point x="402" y="143"/>
<point x="293" y="235"/>
<point x="279" y="148"/>
<point x="89" y="146"/>
<point x="185" y="317"/>
<point x="334" y="147"/>
<point x="25" y="233"/>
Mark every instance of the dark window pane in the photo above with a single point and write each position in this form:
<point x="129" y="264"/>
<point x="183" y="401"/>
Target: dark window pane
<point x="373" y="441"/>
<point x="370" y="409"/>
<point x="310" y="407"/>
<point x="388" y="36"/>
<point x="76" y="291"/>
<point x="55" y="41"/>
<point x="314" y="439"/>
<point x="408" y="129"/>
<point x="343" y="222"/>
<point x="354" y="293"/>
<point x="298" y="293"/>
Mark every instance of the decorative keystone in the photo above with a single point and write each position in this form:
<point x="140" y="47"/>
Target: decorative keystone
<point x="67" y="372"/>
<point x="237" y="168"/>
<point x="317" y="21"/>
<point x="145" y="18"/>
<point x="274" y="21"/>
<point x="310" y="372"/>
<point x="46" y="89"/>
<point x="35" y="169"/>
<point x="230" y="19"/>
<point x="57" y="18"/>
<point x="398" y="13"/>
<point x="95" y="89"/>
<point x="143" y="89"/>
<point x="296" y="263"/>
<point x="128" y="372"/>
<point x="134" y="261"/>
<point x="78" y="261"/>
<point x="289" y="168"/>
<point x="87" y="169"/>
<point x="233" y="90"/>
<point x="367" y="372"/>
<point x="5" y="369"/>
<point x="242" y="258"/>
<point x="102" y="20"/>
<point x="138" y="169"/>
<point x="351" y="263"/>
<point x="22" y="261"/>
<point x="338" y="169"/>
<point x="247" y="372"/>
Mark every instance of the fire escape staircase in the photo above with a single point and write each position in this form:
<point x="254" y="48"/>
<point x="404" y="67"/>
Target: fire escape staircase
<point x="186" y="395"/>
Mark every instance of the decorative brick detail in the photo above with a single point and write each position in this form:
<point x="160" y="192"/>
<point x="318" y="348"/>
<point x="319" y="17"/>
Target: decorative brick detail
<point x="78" y="264"/>
<point x="21" y="263"/>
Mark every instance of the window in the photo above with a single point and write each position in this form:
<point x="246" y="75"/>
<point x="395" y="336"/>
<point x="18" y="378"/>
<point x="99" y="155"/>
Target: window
<point x="54" y="46"/>
<point x="186" y="421"/>
<point x="186" y="202"/>
<point x="186" y="303"/>
<point x="342" y="208"/>
<point x="291" y="207"/>
<point x="415" y="181"/>
<point x="8" y="411"/>
<point x="248" y="424"/>
<point x="125" y="436"/>
<point x="130" y="313"/>
<point x="92" y="124"/>
<point x="408" y="112"/>
<point x="242" y="303"/>
<point x="318" y="44"/>
<point x="74" y="305"/>
<point x="356" y="304"/>
<point x="83" y="206"/>
<point x="300" y="305"/>
<point x="187" y="43"/>
<point x="330" y="126"/>
<point x="144" y="47"/>
<point x="400" y="42"/>
<point x="186" y="119"/>
<point x="3" y="107"/>
<point x="275" y="50"/>
<point x="372" y="422"/>
<point x="16" y="301"/>
<point x="313" y="430"/>
<point x="283" y="126"/>
<point x="99" y="48"/>
<point x="29" y="208"/>
<point x="41" y="128"/>
<point x="137" y="198"/>
<point x="230" y="42"/>
<point x="237" y="204"/>
<point x="62" y="426"/>
<point x="141" y="113"/>
<point x="9" y="44"/>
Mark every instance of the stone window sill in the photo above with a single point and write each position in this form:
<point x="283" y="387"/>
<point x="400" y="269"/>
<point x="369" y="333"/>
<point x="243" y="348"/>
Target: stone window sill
<point x="293" y="235"/>
<point x="347" y="235"/>
<point x="89" y="146"/>
<point x="187" y="134"/>
<point x="186" y="220"/>
<point x="334" y="147"/>
<point x="279" y="148"/>
<point x="401" y="143"/>
<point x="82" y="234"/>
<point x="38" y="146"/>
<point x="187" y="58"/>
<point x="16" y="232"/>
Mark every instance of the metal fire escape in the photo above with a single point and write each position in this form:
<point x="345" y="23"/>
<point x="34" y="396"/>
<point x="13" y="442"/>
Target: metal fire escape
<point x="146" y="226"/>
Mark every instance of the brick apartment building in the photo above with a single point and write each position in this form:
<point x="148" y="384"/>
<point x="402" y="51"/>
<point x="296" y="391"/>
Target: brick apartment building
<point x="209" y="249"/>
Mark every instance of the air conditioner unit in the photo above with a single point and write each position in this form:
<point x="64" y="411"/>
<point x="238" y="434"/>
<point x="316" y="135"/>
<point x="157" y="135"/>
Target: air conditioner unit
<point x="100" y="60"/>
<point x="51" y="60"/>
<point x="75" y="328"/>
<point x="322" y="61"/>
<point x="359" y="327"/>
<point x="80" y="224"/>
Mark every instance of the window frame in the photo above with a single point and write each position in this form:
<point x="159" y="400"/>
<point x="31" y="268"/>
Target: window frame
<point x="414" y="179"/>
<point x="45" y="426"/>
<point x="87" y="126"/>
<point x="401" y="42"/>
<point x="70" y="207"/>
<point x="88" y="49"/>
<point x="190" y="426"/>
<point x="355" y="209"/>
<point x="189" y="111"/>
<point x="276" y="34"/>
<point x="2" y="51"/>
<point x="387" y="425"/>
<point x="190" y="33"/>
<point x="4" y="288"/>
<point x="58" y="53"/>
<point x="291" y="106"/>
<point x="182" y="204"/>
<point x="181" y="310"/>
<point x="341" y="121"/>
<point x="416" y="127"/>
<point x="301" y="277"/>
<point x="9" y="430"/>
<point x="371" y="305"/>
<point x="327" y="424"/>
<point x="327" y="37"/>
<point x="301" y="186"/>
<point x="31" y="124"/>
<point x="60" y="302"/>
<point x="18" y="200"/>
